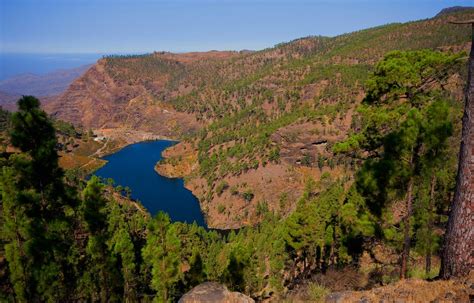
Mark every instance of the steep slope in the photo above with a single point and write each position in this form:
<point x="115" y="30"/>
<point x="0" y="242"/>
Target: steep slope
<point x="131" y="92"/>
<point x="267" y="119"/>
<point x="285" y="119"/>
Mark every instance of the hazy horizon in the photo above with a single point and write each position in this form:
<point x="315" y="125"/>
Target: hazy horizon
<point x="144" y="26"/>
<point x="42" y="46"/>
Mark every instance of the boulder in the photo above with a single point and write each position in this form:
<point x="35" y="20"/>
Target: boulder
<point x="212" y="292"/>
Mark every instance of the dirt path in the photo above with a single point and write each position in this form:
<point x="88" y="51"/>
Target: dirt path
<point x="97" y="152"/>
<point x="86" y="164"/>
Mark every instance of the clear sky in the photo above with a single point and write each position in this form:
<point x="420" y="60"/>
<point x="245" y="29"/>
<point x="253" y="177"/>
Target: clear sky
<point x="138" y="26"/>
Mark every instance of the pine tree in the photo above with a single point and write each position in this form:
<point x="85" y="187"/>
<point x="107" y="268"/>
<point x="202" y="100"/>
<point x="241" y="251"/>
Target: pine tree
<point x="162" y="253"/>
<point x="100" y="280"/>
<point x="458" y="260"/>
<point x="402" y="87"/>
<point x="37" y="208"/>
<point x="435" y="165"/>
<point x="123" y="247"/>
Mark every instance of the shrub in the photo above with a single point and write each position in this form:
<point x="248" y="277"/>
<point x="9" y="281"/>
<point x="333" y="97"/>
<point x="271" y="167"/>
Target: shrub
<point x="220" y="208"/>
<point x="221" y="187"/>
<point x="234" y="191"/>
<point x="317" y="292"/>
<point x="306" y="161"/>
<point x="248" y="195"/>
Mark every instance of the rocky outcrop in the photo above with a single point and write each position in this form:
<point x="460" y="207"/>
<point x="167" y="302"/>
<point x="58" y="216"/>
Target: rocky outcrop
<point x="212" y="292"/>
<point x="97" y="100"/>
<point x="301" y="144"/>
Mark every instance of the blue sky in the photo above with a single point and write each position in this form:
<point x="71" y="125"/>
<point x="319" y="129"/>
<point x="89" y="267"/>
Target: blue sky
<point x="138" y="26"/>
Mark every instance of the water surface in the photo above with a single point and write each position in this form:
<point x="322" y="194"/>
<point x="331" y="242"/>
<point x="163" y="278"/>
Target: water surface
<point x="133" y="166"/>
<point x="12" y="64"/>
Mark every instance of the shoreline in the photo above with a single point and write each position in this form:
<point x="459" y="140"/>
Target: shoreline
<point x="149" y="138"/>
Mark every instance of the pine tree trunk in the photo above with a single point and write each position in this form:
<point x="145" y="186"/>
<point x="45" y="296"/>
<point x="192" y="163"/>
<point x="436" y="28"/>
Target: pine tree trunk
<point x="430" y="222"/>
<point x="406" y="232"/>
<point x="458" y="259"/>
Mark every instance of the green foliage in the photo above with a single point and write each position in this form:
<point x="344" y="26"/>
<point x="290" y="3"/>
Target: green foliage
<point x="221" y="187"/>
<point x="407" y="119"/>
<point x="100" y="280"/>
<point x="317" y="292"/>
<point x="161" y="253"/>
<point x="351" y="143"/>
<point x="37" y="227"/>
<point x="220" y="208"/>
<point x="408" y="74"/>
<point x="248" y="195"/>
<point x="64" y="246"/>
<point x="124" y="255"/>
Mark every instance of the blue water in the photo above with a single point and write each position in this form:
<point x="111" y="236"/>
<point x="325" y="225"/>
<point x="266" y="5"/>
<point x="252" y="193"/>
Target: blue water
<point x="14" y="64"/>
<point x="133" y="166"/>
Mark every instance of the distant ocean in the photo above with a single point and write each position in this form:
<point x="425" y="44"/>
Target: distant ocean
<point x="14" y="64"/>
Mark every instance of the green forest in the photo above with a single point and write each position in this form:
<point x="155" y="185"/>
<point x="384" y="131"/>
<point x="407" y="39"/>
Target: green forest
<point x="66" y="239"/>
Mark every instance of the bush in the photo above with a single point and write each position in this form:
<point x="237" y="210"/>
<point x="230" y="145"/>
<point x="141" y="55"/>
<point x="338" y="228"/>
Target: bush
<point x="234" y="191"/>
<point x="220" y="208"/>
<point x="221" y="187"/>
<point x="248" y="195"/>
<point x="317" y="292"/>
<point x="306" y="161"/>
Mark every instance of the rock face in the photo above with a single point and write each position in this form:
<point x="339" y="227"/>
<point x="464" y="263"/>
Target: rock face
<point x="212" y="292"/>
<point x="98" y="100"/>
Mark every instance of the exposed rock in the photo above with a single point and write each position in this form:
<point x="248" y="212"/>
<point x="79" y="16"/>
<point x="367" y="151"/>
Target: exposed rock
<point x="97" y="100"/>
<point x="337" y="297"/>
<point x="212" y="292"/>
<point x="300" y="144"/>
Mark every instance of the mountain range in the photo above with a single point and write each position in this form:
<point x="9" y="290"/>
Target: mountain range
<point x="248" y="120"/>
<point x="41" y="85"/>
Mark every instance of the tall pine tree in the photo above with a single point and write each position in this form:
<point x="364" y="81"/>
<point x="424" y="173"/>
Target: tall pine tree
<point x="37" y="209"/>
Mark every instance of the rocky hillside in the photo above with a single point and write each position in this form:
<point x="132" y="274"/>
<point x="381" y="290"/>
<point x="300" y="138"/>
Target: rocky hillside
<point x="132" y="92"/>
<point x="258" y="125"/>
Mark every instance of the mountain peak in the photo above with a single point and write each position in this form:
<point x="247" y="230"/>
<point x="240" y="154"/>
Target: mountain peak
<point x="453" y="9"/>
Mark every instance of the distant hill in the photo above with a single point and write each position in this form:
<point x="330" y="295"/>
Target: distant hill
<point x="8" y="101"/>
<point x="453" y="9"/>
<point x="50" y="84"/>
<point x="251" y="118"/>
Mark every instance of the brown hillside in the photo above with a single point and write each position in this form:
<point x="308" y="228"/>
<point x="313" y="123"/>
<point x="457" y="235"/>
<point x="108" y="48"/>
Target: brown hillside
<point x="267" y="120"/>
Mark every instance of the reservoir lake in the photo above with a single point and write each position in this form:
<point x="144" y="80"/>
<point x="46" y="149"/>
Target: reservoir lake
<point x="133" y="166"/>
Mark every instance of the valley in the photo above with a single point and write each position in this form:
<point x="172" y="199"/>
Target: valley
<point x="254" y="127"/>
<point x="323" y="169"/>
